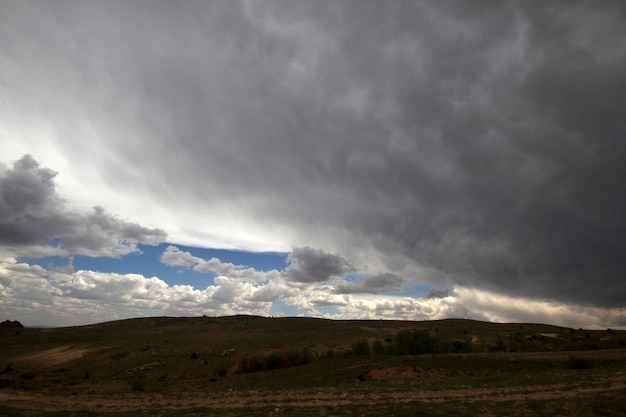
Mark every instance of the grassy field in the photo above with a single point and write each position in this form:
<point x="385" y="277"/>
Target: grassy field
<point x="221" y="366"/>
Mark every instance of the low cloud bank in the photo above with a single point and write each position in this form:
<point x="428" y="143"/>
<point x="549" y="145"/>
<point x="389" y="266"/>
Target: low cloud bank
<point x="40" y="296"/>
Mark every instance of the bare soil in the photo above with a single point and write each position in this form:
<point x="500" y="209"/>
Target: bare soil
<point x="108" y="403"/>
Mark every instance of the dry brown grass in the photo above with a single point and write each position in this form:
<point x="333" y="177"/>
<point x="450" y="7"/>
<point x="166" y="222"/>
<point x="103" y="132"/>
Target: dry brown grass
<point x="144" y="367"/>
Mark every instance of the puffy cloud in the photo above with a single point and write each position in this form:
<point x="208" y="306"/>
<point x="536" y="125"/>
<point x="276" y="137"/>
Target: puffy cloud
<point x="101" y="234"/>
<point x="175" y="257"/>
<point x="62" y="297"/>
<point x="46" y="297"/>
<point x="308" y="265"/>
<point x="32" y="214"/>
<point x="28" y="204"/>
<point x="403" y="308"/>
<point x="274" y="290"/>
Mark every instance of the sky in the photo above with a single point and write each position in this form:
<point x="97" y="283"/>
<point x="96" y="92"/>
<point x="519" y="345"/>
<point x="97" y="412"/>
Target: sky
<point x="409" y="160"/>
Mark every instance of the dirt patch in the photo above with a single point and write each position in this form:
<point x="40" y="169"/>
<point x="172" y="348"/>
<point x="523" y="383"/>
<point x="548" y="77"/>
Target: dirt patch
<point x="298" y="398"/>
<point x="56" y="356"/>
<point x="401" y="372"/>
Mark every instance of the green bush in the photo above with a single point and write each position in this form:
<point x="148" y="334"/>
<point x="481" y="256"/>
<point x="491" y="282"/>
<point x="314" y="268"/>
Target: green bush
<point x="413" y="342"/>
<point x="458" y="346"/>
<point x="270" y="361"/>
<point x="361" y="347"/>
<point x="378" y="348"/>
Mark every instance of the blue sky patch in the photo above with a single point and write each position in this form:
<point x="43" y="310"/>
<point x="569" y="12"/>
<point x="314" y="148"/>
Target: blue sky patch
<point x="147" y="263"/>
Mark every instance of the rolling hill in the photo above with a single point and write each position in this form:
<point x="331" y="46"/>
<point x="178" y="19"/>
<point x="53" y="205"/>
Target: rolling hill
<point x="248" y="365"/>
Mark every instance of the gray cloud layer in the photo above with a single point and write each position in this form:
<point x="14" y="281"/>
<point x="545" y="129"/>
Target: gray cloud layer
<point x="307" y="268"/>
<point x="482" y="140"/>
<point x="32" y="214"/>
<point x="308" y="265"/>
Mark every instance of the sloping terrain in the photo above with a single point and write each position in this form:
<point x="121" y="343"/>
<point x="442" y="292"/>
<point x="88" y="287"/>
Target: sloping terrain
<point x="246" y="365"/>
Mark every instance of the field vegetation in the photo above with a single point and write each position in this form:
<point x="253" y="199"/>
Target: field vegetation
<point x="248" y="366"/>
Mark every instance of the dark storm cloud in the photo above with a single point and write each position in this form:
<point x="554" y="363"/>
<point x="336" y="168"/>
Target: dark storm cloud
<point x="434" y="293"/>
<point x="308" y="265"/>
<point x="375" y="284"/>
<point x="32" y="214"/>
<point x="483" y="140"/>
<point x="25" y="192"/>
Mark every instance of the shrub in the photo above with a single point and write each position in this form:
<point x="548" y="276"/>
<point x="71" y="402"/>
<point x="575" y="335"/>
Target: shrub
<point x="277" y="360"/>
<point x="221" y="370"/>
<point x="361" y="347"/>
<point x="138" y="386"/>
<point x="458" y="346"/>
<point x="499" y="346"/>
<point x="251" y="363"/>
<point x="270" y="361"/>
<point x="414" y="342"/>
<point x="378" y="348"/>
<point x="28" y="376"/>
<point x="574" y="362"/>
